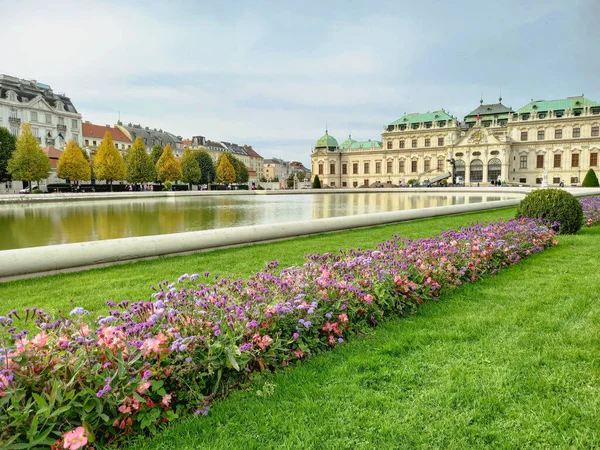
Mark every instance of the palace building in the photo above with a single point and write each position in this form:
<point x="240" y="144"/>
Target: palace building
<point x="493" y="143"/>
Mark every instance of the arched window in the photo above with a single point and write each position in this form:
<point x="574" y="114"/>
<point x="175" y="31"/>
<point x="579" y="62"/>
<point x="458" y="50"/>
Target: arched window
<point x="494" y="169"/>
<point x="476" y="171"/>
<point x="459" y="168"/>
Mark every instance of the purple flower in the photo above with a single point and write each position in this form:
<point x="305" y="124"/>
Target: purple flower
<point x="295" y="336"/>
<point x="218" y="332"/>
<point x="78" y="311"/>
<point x="246" y="346"/>
<point x="252" y="324"/>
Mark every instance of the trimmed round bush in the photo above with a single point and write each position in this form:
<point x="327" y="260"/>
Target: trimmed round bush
<point x="590" y="180"/>
<point x="38" y="191"/>
<point x="554" y="205"/>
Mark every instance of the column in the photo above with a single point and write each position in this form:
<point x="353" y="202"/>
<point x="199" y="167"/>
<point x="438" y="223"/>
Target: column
<point x="467" y="168"/>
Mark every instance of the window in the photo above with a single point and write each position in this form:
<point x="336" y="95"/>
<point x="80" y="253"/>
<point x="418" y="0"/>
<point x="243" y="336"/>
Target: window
<point x="576" y="132"/>
<point x="595" y="131"/>
<point x="575" y="160"/>
<point x="538" y="181"/>
<point x="344" y="184"/>
<point x="523" y="162"/>
<point x="427" y="165"/>
<point x="414" y="143"/>
<point x="332" y="184"/>
<point x="34" y="116"/>
<point x="94" y="143"/>
<point x="541" y="134"/>
<point x="440" y="165"/>
<point x="75" y="137"/>
<point x="61" y="120"/>
<point x="539" y="162"/>
<point x="73" y="123"/>
<point x="344" y="169"/>
<point x="87" y="142"/>
<point x="366" y="167"/>
<point x="574" y="180"/>
<point x="332" y="169"/>
<point x="401" y="167"/>
<point x="402" y="144"/>
<point x="522" y="180"/>
<point x="413" y="166"/>
<point x="556" y="180"/>
<point x="14" y="131"/>
<point x="558" y="133"/>
<point x="557" y="161"/>
<point x="355" y="168"/>
<point x="378" y="167"/>
<point x="427" y="142"/>
<point x="523" y="135"/>
<point x="440" y="142"/>
<point x="389" y="166"/>
<point x="389" y="145"/>
<point x="593" y="159"/>
<point x="48" y="118"/>
<point x="35" y="131"/>
<point x="320" y="165"/>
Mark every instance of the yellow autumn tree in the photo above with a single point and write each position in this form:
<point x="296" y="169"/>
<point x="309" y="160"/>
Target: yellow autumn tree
<point x="72" y="165"/>
<point x="225" y="171"/>
<point x="28" y="162"/>
<point x="108" y="163"/>
<point x="167" y="167"/>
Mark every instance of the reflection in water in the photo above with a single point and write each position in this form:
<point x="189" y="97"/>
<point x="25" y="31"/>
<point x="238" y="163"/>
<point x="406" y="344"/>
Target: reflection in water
<point x="61" y="223"/>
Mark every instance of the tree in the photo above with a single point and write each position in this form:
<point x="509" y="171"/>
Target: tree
<point x="190" y="168"/>
<point x="225" y="170"/>
<point x="167" y="167"/>
<point x="72" y="165"/>
<point x="108" y="163"/>
<point x="140" y="167"/>
<point x="8" y="144"/>
<point x="590" y="180"/>
<point x="316" y="182"/>
<point x="301" y="176"/>
<point x="241" y="171"/>
<point x="28" y="162"/>
<point x="157" y="152"/>
<point x="207" y="167"/>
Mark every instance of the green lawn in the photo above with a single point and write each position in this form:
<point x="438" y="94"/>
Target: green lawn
<point x="507" y="362"/>
<point x="132" y="281"/>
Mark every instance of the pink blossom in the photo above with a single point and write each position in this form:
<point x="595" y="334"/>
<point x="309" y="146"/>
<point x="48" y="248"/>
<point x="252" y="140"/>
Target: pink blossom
<point x="75" y="439"/>
<point x="343" y="317"/>
<point x="143" y="387"/>
<point x="40" y="340"/>
<point x="166" y="400"/>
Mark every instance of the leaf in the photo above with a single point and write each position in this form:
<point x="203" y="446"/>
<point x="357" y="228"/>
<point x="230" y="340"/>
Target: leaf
<point x="232" y="361"/>
<point x="41" y="401"/>
<point x="156" y="385"/>
<point x="90" y="431"/>
<point x="89" y="405"/>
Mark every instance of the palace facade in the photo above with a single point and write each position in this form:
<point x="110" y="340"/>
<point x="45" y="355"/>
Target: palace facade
<point x="493" y="143"/>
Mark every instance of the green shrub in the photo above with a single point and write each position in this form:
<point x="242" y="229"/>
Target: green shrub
<point x="260" y="188"/>
<point x="316" y="182"/>
<point x="38" y="191"/>
<point x="167" y="186"/>
<point x="444" y="182"/>
<point x="554" y="205"/>
<point x="590" y="180"/>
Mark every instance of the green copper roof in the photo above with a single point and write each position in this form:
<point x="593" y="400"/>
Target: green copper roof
<point x="326" y="141"/>
<point x="557" y="105"/>
<point x="493" y="109"/>
<point x="423" y="117"/>
<point x="347" y="143"/>
<point x="363" y="145"/>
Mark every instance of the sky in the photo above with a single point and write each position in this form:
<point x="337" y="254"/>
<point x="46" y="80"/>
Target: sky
<point x="275" y="74"/>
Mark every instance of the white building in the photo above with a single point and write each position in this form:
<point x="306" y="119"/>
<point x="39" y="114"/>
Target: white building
<point x="53" y="118"/>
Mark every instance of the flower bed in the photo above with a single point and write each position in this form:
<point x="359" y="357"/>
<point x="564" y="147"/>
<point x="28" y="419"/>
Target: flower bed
<point x="591" y="210"/>
<point x="73" y="380"/>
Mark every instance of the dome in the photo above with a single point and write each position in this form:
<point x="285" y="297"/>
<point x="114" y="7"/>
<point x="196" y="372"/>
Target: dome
<point x="347" y="143"/>
<point x="326" y="141"/>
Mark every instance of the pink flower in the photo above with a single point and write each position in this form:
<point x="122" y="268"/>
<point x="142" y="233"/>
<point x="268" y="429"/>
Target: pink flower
<point x="368" y="299"/>
<point x="343" y="317"/>
<point x="75" y="439"/>
<point x="166" y="400"/>
<point x="40" y="340"/>
<point x="151" y="346"/>
<point x="143" y="387"/>
<point x="85" y="329"/>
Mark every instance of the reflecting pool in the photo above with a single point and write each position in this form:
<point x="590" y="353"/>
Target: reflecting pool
<point x="32" y="225"/>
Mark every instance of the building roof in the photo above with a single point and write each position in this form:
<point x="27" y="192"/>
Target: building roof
<point x="251" y="151"/>
<point x="557" y="105"/>
<point x="363" y="145"/>
<point x="90" y="130"/>
<point x="411" y="118"/>
<point x="496" y="109"/>
<point x="186" y="142"/>
<point x="326" y="141"/>
<point x="151" y="136"/>
<point x="27" y="90"/>
<point x="347" y="143"/>
<point x="53" y="153"/>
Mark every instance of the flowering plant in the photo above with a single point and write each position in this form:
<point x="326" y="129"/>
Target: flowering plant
<point x="73" y="380"/>
<point x="591" y="210"/>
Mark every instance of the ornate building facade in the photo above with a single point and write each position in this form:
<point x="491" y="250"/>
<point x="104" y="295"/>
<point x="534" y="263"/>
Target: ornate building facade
<point x="559" y="137"/>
